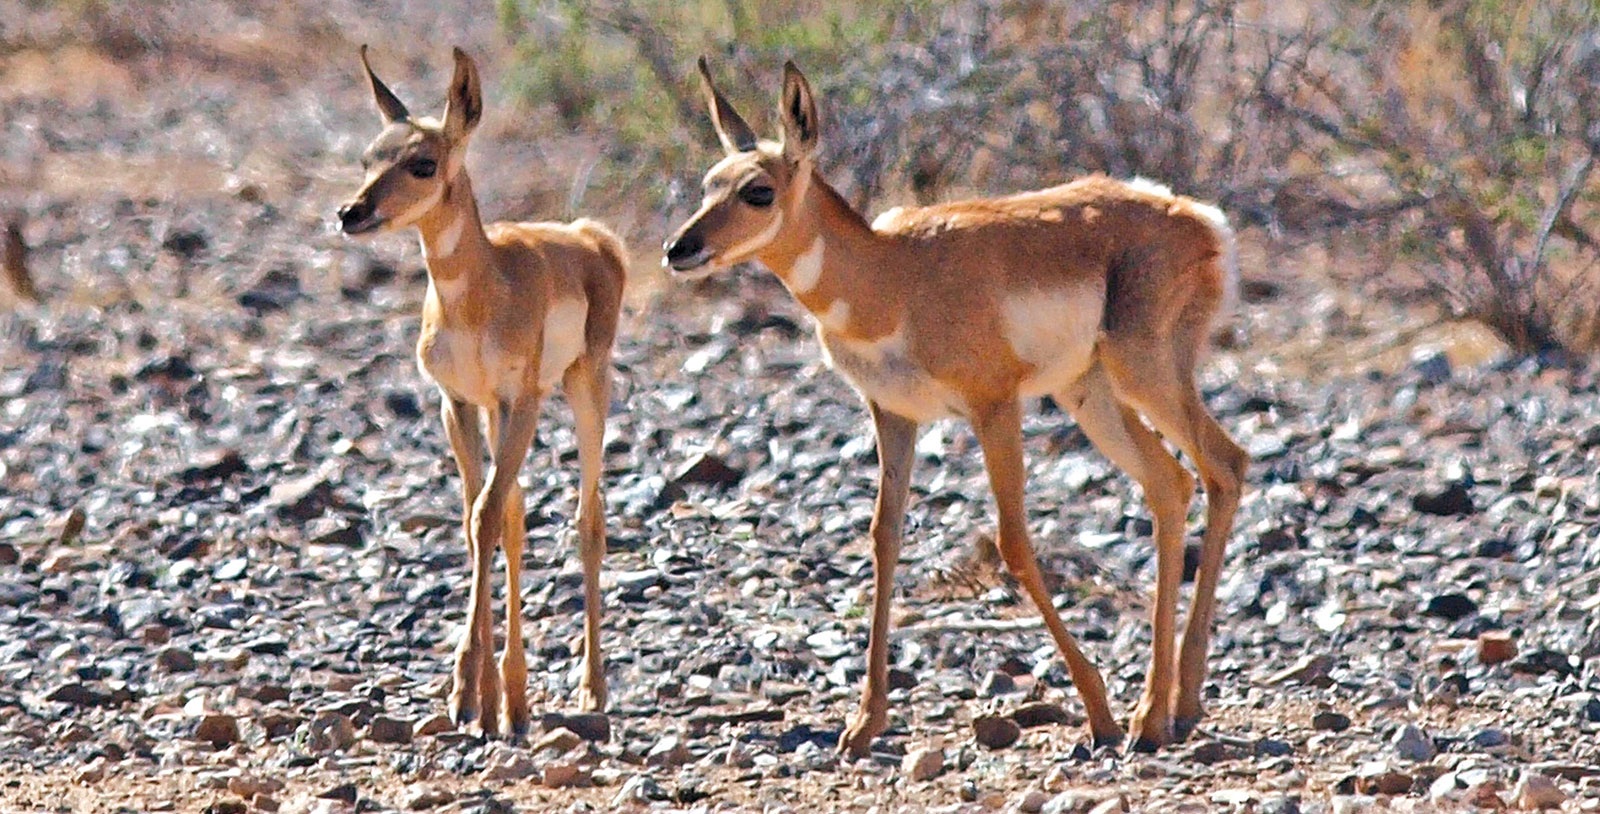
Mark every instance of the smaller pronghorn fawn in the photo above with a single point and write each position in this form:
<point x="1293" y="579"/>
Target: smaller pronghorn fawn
<point x="512" y="310"/>
<point x="1099" y="293"/>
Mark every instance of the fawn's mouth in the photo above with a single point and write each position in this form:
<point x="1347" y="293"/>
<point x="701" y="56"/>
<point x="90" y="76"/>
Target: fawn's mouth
<point x="697" y="263"/>
<point x="361" y="227"/>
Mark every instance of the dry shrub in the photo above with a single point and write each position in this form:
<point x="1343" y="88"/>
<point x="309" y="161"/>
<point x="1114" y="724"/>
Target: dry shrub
<point x="1458" y="133"/>
<point x="1465" y="134"/>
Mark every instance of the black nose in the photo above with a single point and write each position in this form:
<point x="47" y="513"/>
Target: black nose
<point x="352" y="215"/>
<point x="684" y="247"/>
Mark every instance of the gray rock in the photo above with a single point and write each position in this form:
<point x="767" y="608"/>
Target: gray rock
<point x="1490" y="738"/>
<point x="670" y="751"/>
<point x="591" y="726"/>
<point x="507" y="764"/>
<point x="640" y="788"/>
<point x="1411" y="743"/>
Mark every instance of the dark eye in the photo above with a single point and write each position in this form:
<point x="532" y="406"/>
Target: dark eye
<point x="756" y="194"/>
<point x="422" y="168"/>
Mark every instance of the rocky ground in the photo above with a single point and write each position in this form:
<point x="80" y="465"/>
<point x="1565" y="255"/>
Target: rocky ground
<point x="231" y="574"/>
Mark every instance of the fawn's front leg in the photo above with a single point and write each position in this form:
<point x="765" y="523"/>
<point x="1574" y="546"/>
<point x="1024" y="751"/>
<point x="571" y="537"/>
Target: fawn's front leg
<point x="897" y="436"/>
<point x="498" y="508"/>
<point x="462" y="427"/>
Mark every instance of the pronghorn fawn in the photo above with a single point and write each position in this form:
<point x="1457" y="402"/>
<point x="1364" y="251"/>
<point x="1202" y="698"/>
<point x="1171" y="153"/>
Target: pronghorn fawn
<point x="512" y="310"/>
<point x="1098" y="293"/>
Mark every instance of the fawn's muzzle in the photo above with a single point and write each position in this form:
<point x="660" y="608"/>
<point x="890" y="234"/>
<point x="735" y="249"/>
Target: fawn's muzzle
<point x="357" y="217"/>
<point x="687" y="252"/>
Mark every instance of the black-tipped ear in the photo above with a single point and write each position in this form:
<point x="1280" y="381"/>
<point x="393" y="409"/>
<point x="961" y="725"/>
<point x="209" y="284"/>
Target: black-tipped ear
<point x="463" y="107"/>
<point x="388" y="104"/>
<point x="798" y="112"/>
<point x="735" y="135"/>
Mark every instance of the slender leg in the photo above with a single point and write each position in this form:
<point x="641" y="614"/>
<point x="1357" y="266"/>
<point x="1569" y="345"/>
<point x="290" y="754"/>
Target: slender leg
<point x="515" y="427"/>
<point x="514" y="661"/>
<point x="489" y="691"/>
<point x="1175" y="408"/>
<point x="461" y="427"/>
<point x="588" y="386"/>
<point x="896" y="439"/>
<point x="999" y="429"/>
<point x="1120" y="435"/>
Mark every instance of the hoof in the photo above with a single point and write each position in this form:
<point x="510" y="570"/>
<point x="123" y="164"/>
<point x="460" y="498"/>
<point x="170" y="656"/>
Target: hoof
<point x="854" y="749"/>
<point x="1143" y="744"/>
<point x="1109" y="740"/>
<point x="590" y="701"/>
<point x="517" y="731"/>
<point x="1182" y="728"/>
<point x="856" y="741"/>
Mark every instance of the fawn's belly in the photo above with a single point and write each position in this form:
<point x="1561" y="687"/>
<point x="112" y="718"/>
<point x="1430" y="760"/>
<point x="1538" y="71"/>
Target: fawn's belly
<point x="883" y="372"/>
<point x="1052" y="334"/>
<point x="482" y="368"/>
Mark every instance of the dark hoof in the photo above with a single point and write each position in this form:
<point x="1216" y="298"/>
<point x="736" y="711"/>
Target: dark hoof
<point x="1099" y="742"/>
<point x="1182" y="728"/>
<point x="517" y="731"/>
<point x="463" y="716"/>
<point x="848" y="751"/>
<point x="1145" y="745"/>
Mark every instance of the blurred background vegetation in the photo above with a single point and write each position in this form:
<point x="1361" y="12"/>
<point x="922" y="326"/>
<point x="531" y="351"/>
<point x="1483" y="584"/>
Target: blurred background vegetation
<point x="1455" y="138"/>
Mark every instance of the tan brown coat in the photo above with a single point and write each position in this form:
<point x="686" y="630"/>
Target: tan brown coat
<point x="1099" y="292"/>
<point x="512" y="311"/>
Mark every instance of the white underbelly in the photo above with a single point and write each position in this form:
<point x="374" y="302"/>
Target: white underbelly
<point x="883" y="372"/>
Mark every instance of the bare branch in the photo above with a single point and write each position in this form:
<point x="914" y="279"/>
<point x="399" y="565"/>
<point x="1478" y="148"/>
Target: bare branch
<point x="1576" y="176"/>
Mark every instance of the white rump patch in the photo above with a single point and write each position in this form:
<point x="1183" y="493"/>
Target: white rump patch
<point x="1150" y="187"/>
<point x="563" y="339"/>
<point x="882" y="221"/>
<point x="807" y="269"/>
<point x="1229" y="245"/>
<point x="1054" y="331"/>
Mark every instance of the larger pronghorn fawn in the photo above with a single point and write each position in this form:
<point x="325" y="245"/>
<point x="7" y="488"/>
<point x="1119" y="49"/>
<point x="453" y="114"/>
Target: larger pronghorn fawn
<point x="1099" y="293"/>
<point x="511" y="311"/>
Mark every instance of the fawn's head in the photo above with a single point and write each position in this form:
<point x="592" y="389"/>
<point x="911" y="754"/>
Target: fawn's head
<point x="755" y="188"/>
<point x="413" y="160"/>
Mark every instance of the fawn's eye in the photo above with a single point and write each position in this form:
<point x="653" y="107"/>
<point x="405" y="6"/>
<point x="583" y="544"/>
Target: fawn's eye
<point x="422" y="168"/>
<point x="756" y="194"/>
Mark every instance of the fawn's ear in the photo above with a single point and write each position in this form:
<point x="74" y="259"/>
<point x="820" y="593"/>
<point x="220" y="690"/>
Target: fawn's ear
<point x="735" y="135"/>
<point x="798" y="112"/>
<point x="389" y="105"/>
<point x="463" y="107"/>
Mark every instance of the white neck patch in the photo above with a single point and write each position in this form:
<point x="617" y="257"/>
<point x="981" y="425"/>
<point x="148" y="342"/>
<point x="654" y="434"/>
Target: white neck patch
<point x="836" y="318"/>
<point x="807" y="269"/>
<point x="449" y="239"/>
